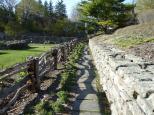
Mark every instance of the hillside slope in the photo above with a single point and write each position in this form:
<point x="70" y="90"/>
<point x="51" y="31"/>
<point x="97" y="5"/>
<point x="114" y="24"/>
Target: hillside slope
<point x="135" y="39"/>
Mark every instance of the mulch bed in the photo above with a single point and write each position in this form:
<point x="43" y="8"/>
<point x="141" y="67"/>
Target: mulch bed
<point x="146" y="51"/>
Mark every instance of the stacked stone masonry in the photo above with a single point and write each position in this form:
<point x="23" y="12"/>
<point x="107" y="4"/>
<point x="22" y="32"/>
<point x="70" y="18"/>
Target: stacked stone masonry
<point x="127" y="80"/>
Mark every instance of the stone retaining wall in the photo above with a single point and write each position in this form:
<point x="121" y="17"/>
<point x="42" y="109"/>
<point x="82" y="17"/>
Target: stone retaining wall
<point x="127" y="80"/>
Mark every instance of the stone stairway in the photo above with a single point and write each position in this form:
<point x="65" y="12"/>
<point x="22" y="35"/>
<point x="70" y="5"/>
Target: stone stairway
<point x="87" y="102"/>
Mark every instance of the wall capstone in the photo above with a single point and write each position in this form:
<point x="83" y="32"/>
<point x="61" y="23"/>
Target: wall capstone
<point x="127" y="80"/>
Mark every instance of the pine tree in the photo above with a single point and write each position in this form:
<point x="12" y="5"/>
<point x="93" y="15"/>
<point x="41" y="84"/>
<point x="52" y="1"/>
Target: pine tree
<point x="50" y="9"/>
<point x="40" y="2"/>
<point x="60" y="10"/>
<point x="106" y="13"/>
<point x="46" y="13"/>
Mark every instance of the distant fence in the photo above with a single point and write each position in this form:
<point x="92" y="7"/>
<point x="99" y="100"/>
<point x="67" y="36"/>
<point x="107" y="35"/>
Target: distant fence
<point x="46" y="39"/>
<point x="32" y="72"/>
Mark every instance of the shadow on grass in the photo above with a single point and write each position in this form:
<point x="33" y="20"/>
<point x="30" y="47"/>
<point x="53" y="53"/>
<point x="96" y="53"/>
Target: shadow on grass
<point x="35" y="50"/>
<point x="23" y="48"/>
<point x="2" y="53"/>
<point x="29" y="49"/>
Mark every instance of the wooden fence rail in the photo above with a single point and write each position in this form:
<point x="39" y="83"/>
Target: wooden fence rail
<point x="30" y="74"/>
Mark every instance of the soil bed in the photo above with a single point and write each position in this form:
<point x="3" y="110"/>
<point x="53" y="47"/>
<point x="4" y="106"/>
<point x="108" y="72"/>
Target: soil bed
<point x="146" y="51"/>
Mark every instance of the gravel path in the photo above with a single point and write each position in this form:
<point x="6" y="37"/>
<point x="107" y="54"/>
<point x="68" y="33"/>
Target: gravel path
<point x="86" y="102"/>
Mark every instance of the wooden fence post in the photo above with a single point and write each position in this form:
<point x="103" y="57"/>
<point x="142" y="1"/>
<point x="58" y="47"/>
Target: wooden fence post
<point x="69" y="47"/>
<point x="36" y="74"/>
<point x="66" y="51"/>
<point x="33" y="72"/>
<point x="54" y="54"/>
<point x="63" y="54"/>
<point x="72" y="46"/>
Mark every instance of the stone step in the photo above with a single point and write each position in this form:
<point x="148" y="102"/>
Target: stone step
<point x="85" y="79"/>
<point x="86" y="105"/>
<point x="86" y="96"/>
<point x="85" y="113"/>
<point x="86" y="89"/>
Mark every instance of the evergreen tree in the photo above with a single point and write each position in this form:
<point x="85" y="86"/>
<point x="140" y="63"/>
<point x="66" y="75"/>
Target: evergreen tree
<point x="40" y="2"/>
<point x="46" y="13"/>
<point x="106" y="13"/>
<point x="50" y="9"/>
<point x="60" y="10"/>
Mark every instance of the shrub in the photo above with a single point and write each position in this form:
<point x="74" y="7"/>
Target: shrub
<point x="13" y="29"/>
<point x="16" y="44"/>
<point x="2" y="45"/>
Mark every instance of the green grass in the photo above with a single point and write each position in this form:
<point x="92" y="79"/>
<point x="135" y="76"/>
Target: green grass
<point x="127" y="43"/>
<point x="11" y="57"/>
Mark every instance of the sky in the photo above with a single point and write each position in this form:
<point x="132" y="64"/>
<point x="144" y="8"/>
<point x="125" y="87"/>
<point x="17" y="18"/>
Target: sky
<point x="70" y="4"/>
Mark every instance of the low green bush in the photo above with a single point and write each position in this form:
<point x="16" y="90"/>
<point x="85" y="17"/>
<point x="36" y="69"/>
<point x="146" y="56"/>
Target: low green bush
<point x="17" y="44"/>
<point x="2" y="45"/>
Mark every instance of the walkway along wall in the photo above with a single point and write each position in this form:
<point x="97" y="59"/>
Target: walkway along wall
<point x="127" y="80"/>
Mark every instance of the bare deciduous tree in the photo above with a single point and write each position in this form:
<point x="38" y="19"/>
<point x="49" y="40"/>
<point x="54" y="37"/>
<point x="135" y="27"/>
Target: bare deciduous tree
<point x="8" y="4"/>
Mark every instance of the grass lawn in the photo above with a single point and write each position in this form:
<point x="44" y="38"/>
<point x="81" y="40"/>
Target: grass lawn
<point x="11" y="57"/>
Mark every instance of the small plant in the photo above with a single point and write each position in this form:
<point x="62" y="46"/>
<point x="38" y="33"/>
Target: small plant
<point x="63" y="96"/>
<point x="68" y="78"/>
<point x="21" y="76"/>
<point x="44" y="108"/>
<point x="57" y="106"/>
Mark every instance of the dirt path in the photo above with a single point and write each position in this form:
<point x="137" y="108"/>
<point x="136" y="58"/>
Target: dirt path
<point x="87" y="101"/>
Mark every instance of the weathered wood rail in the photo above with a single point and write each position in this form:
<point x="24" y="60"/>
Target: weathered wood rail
<point x="32" y="71"/>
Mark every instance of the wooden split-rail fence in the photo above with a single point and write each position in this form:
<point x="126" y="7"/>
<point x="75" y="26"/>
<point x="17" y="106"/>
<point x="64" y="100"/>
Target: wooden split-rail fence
<point x="32" y="71"/>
